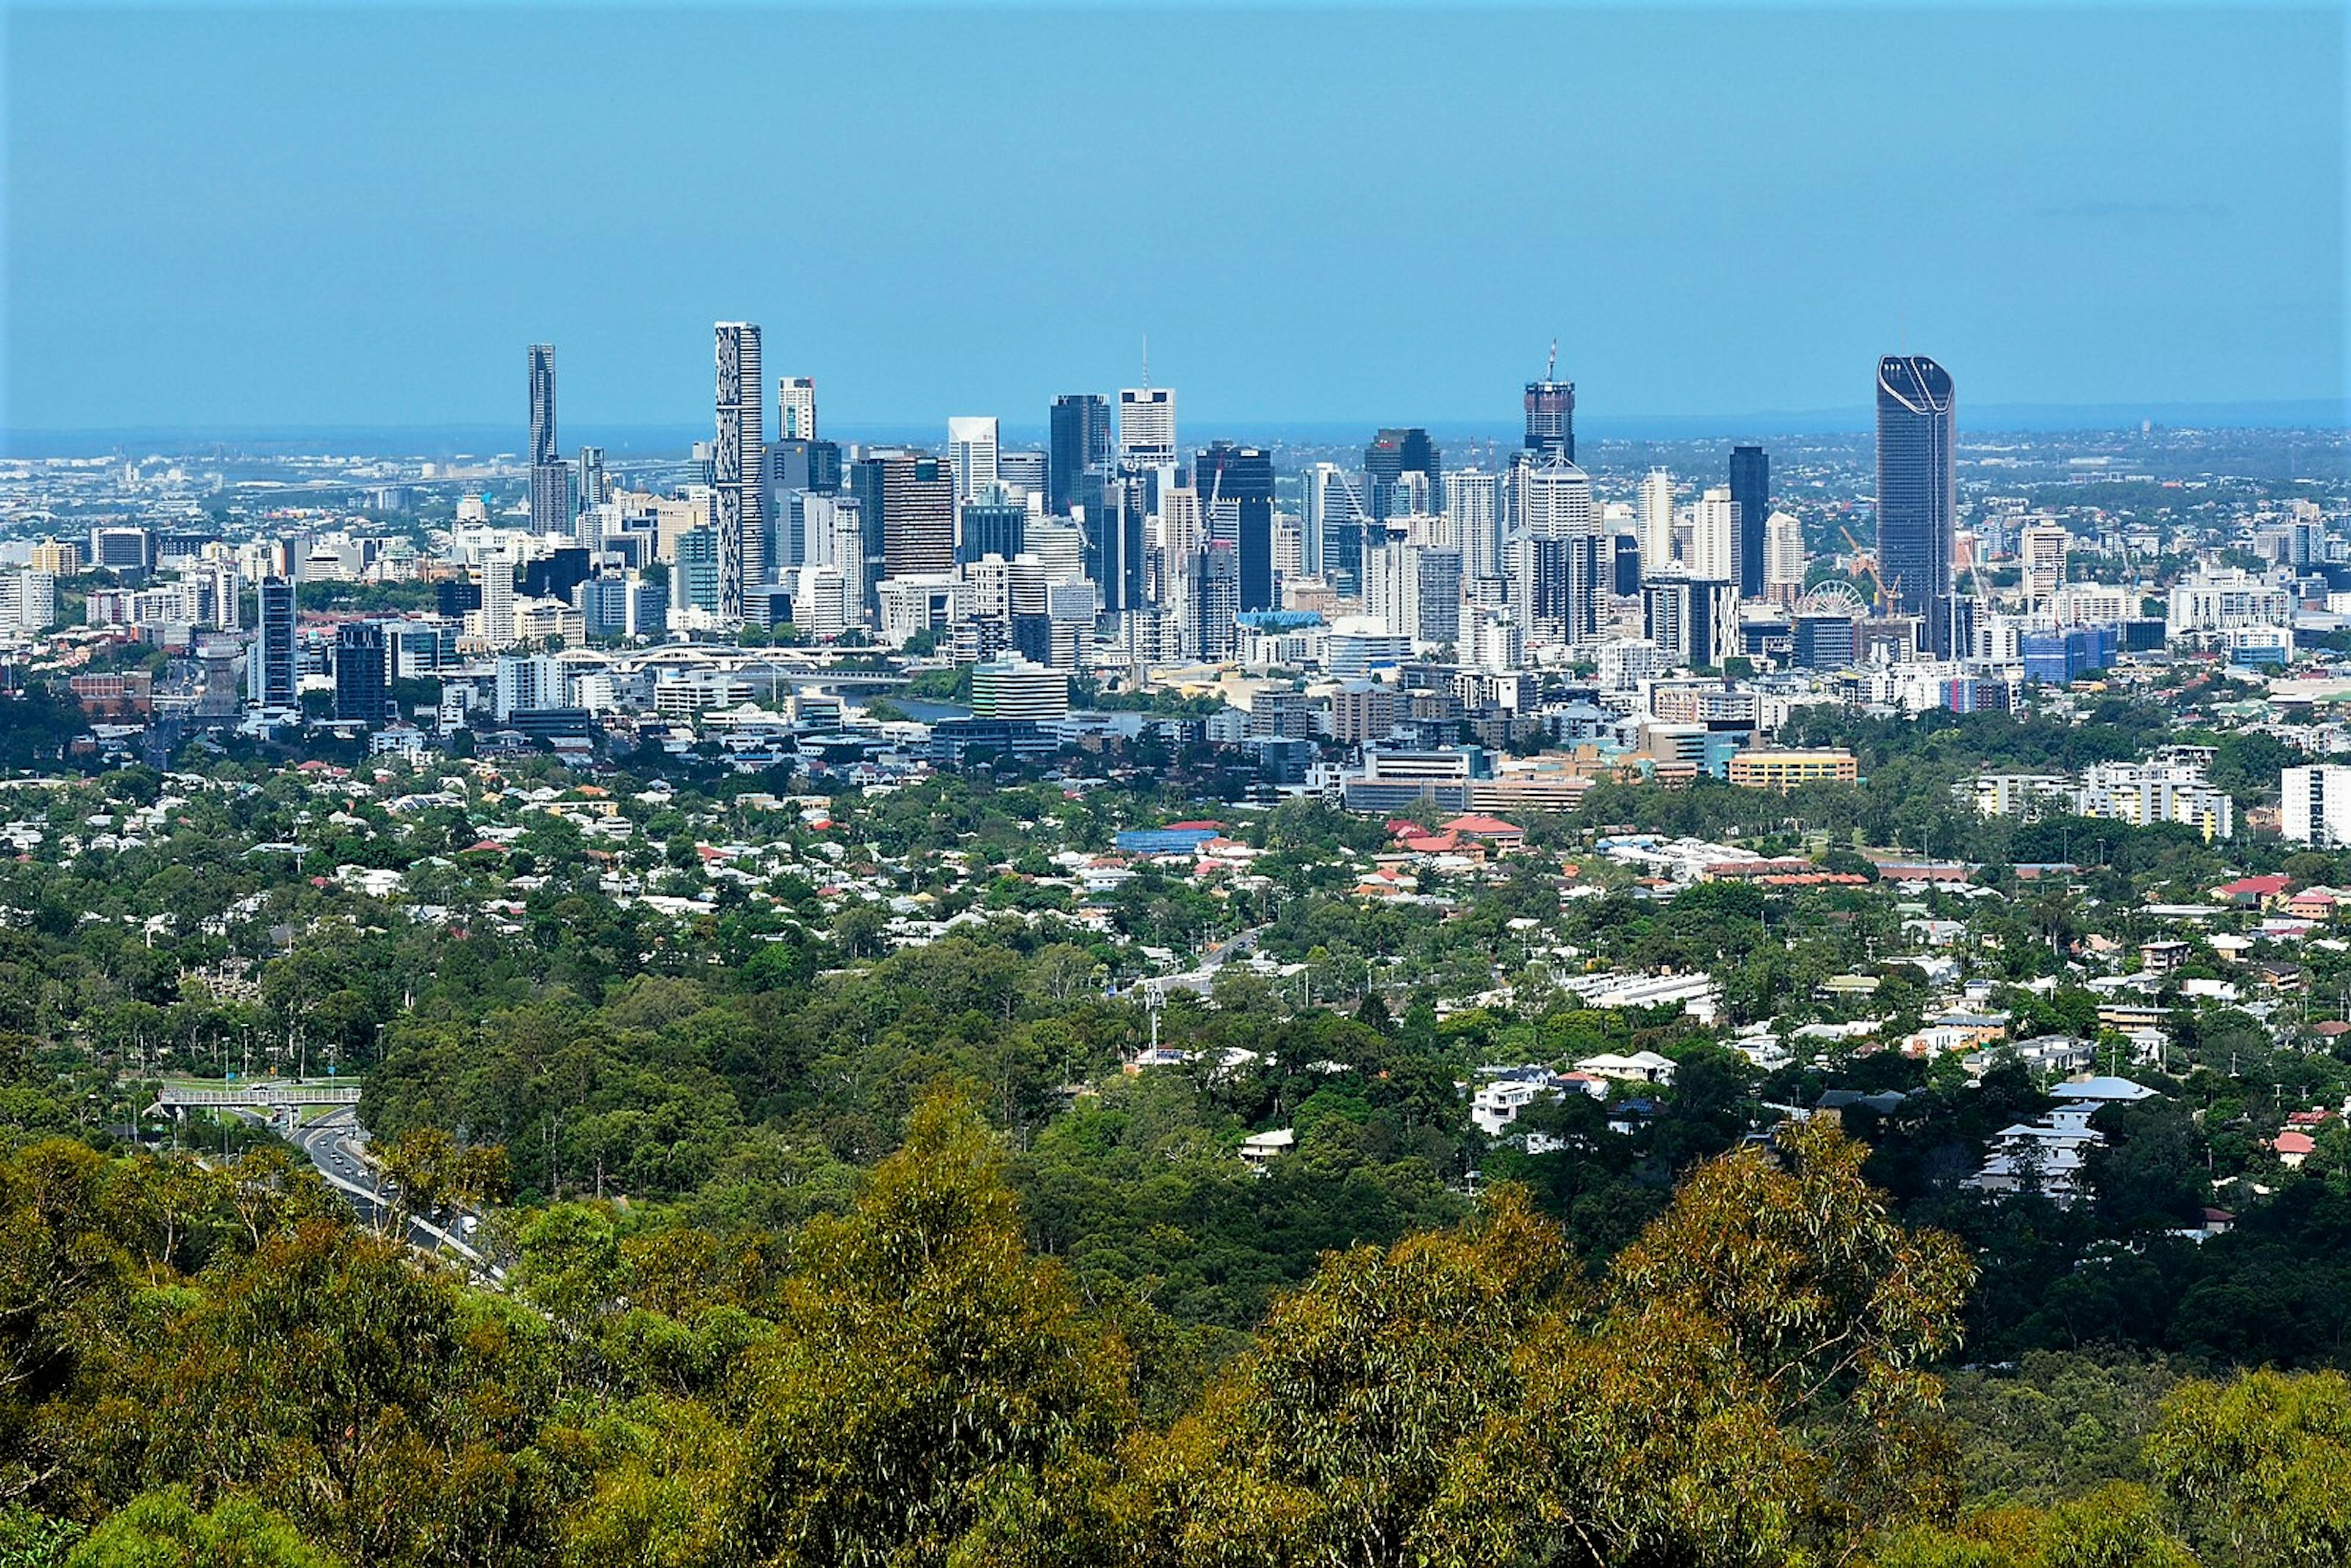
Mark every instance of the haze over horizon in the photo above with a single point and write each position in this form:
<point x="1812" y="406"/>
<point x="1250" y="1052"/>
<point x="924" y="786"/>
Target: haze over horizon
<point x="357" y="217"/>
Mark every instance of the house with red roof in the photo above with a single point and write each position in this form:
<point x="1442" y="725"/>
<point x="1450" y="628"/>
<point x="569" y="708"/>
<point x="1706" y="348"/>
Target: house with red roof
<point x="2253" y="890"/>
<point x="2292" y="1147"/>
<point x="1492" y="830"/>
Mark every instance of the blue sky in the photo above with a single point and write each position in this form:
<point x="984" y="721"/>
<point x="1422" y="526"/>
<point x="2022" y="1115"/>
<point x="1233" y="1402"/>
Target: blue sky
<point x="295" y="216"/>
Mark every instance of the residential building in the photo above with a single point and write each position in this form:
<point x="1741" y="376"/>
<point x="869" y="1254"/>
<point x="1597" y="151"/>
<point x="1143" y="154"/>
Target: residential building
<point x="1784" y="770"/>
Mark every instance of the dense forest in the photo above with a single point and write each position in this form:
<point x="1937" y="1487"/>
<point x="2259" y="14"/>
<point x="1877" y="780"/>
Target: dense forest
<point x="218" y="1364"/>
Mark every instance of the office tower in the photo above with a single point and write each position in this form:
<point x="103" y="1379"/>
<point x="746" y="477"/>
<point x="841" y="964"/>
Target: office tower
<point x="1559" y="582"/>
<point x="1333" y="516"/>
<point x="1750" y="489"/>
<point x="696" y="578"/>
<point x="1146" y="427"/>
<point x="1472" y="506"/>
<point x="1216" y="596"/>
<point x="1394" y="453"/>
<point x="906" y="502"/>
<point x="550" y="476"/>
<point x="551" y="509"/>
<point x="1081" y="439"/>
<point x="1555" y="500"/>
<point x="2042" y="549"/>
<point x="1714" y="536"/>
<point x="593" y="490"/>
<point x="738" y="463"/>
<point x="1241" y="478"/>
<point x="796" y="408"/>
<point x="273" y="684"/>
<point x="1917" y="488"/>
<point x="1626" y="552"/>
<point x="1116" y="531"/>
<point x="1025" y="469"/>
<point x="362" y="686"/>
<point x="1783" y="556"/>
<point x="1551" y="418"/>
<point x="971" y="453"/>
<point x="1657" y="522"/>
<point x="995" y="524"/>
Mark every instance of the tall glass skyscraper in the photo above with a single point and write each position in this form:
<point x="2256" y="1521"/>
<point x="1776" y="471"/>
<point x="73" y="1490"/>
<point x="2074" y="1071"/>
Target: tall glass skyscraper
<point x="1750" y="491"/>
<point x="550" y="476"/>
<point x="739" y="462"/>
<point x="1917" y="490"/>
<point x="1235" y="488"/>
<point x="1081" y="440"/>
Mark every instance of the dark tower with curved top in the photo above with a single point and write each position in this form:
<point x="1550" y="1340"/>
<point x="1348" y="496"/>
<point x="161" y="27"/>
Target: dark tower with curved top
<point x="1917" y="492"/>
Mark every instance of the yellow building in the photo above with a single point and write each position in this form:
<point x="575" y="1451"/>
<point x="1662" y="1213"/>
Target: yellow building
<point x="1784" y="770"/>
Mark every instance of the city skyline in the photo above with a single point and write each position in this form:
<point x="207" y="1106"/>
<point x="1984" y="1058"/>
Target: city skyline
<point x="333" y="274"/>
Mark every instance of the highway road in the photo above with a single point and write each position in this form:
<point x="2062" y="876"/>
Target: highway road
<point x="336" y="1146"/>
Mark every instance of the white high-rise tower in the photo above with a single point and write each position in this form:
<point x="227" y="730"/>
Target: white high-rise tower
<point x="1656" y="523"/>
<point x="971" y="447"/>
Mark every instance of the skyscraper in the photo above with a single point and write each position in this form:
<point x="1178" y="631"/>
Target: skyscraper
<point x="1750" y="487"/>
<point x="1551" y="417"/>
<point x="796" y="408"/>
<point x="1916" y="487"/>
<point x="906" y="503"/>
<point x="737" y="464"/>
<point x="1657" y="518"/>
<point x="1241" y="479"/>
<point x="592" y="477"/>
<point x="1714" y="536"/>
<point x="1146" y="427"/>
<point x="542" y="404"/>
<point x="1783" y="556"/>
<point x="550" y="476"/>
<point x="971" y="449"/>
<point x="1392" y="455"/>
<point x="273" y="682"/>
<point x="1333" y="518"/>
<point x="362" y="685"/>
<point x="1081" y="440"/>
<point x="1116" y="532"/>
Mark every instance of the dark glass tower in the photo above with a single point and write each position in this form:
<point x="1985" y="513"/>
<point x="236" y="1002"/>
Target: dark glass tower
<point x="274" y="681"/>
<point x="1241" y="479"/>
<point x="1750" y="489"/>
<point x="550" y="476"/>
<point x="1394" y="453"/>
<point x="1081" y="440"/>
<point x="1917" y="489"/>
<point x="362" y="674"/>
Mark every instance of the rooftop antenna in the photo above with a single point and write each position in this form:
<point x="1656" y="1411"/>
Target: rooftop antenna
<point x="1550" y="366"/>
<point x="1146" y="361"/>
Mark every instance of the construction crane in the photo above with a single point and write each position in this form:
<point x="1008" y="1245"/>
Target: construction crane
<point x="1864" y="562"/>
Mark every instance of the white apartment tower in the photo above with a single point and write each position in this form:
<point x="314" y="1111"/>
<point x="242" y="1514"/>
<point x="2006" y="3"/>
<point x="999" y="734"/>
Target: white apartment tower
<point x="2315" y="805"/>
<point x="796" y="408"/>
<point x="1714" y="537"/>
<point x="1657" y="522"/>
<point x="1783" y="556"/>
